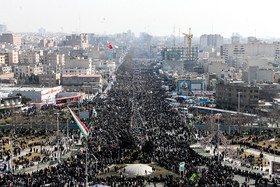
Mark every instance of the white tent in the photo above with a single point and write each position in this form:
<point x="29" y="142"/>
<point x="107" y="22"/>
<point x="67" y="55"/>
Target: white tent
<point x="138" y="169"/>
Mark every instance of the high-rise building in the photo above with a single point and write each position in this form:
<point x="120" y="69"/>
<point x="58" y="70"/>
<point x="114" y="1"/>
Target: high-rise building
<point x="76" y="40"/>
<point x="42" y="31"/>
<point x="10" y="38"/>
<point x="211" y="40"/>
<point x="3" y="28"/>
<point x="238" y="50"/>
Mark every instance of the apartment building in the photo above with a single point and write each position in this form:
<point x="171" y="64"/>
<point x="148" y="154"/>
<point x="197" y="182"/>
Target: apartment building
<point x="29" y="57"/>
<point x="27" y="70"/>
<point x="11" y="57"/>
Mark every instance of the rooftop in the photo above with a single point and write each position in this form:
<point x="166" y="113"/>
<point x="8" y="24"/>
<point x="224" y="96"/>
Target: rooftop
<point x="81" y="76"/>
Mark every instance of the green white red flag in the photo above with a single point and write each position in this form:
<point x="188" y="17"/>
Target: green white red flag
<point x="80" y="124"/>
<point x="271" y="140"/>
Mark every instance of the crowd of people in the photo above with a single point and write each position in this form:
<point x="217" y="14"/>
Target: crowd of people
<point x="135" y="107"/>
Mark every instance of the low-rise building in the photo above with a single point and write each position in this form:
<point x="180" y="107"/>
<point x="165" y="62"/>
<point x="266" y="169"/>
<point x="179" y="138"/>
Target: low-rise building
<point x="34" y="93"/>
<point x="269" y="91"/>
<point x="9" y="102"/>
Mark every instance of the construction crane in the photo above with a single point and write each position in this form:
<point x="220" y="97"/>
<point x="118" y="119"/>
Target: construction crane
<point x="190" y="36"/>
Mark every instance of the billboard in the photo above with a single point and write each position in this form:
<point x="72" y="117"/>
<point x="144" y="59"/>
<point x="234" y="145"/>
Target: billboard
<point x="276" y="167"/>
<point x="183" y="85"/>
<point x="196" y="86"/>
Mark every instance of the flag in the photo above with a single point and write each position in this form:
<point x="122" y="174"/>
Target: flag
<point x="80" y="124"/>
<point x="271" y="140"/>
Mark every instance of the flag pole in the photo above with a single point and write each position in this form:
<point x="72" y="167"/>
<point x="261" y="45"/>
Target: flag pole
<point x="86" y="172"/>
<point x="2" y="147"/>
<point x="274" y="149"/>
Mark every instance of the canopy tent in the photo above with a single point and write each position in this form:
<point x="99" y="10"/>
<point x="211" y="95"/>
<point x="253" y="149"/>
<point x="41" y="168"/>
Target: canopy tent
<point x="138" y="169"/>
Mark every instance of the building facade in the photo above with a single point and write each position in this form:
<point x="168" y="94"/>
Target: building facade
<point x="227" y="97"/>
<point x="82" y="83"/>
<point x="238" y="50"/>
<point x="49" y="80"/>
<point x="255" y="74"/>
<point x="27" y="70"/>
<point x="76" y="40"/>
<point x="10" y="57"/>
<point x="29" y="57"/>
<point x="211" y="40"/>
<point x="11" y="39"/>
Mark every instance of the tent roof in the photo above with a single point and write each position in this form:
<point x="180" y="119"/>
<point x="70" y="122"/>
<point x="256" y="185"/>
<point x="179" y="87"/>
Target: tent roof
<point x="138" y="169"/>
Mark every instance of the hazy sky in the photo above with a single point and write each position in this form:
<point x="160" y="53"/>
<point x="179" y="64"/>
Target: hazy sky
<point x="157" y="17"/>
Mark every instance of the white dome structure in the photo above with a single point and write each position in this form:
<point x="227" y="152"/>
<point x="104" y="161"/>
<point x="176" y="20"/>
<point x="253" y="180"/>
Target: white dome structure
<point x="138" y="169"/>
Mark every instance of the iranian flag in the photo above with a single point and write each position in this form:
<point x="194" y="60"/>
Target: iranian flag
<point x="80" y="124"/>
<point x="271" y="140"/>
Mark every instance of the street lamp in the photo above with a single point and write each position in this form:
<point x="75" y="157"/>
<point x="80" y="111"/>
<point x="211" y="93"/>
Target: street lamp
<point x="57" y="135"/>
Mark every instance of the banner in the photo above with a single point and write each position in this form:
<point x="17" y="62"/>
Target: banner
<point x="275" y="167"/>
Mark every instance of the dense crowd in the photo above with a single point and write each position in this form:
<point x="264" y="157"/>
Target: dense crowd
<point x="117" y="118"/>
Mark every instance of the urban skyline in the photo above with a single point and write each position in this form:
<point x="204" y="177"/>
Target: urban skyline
<point x="248" y="18"/>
